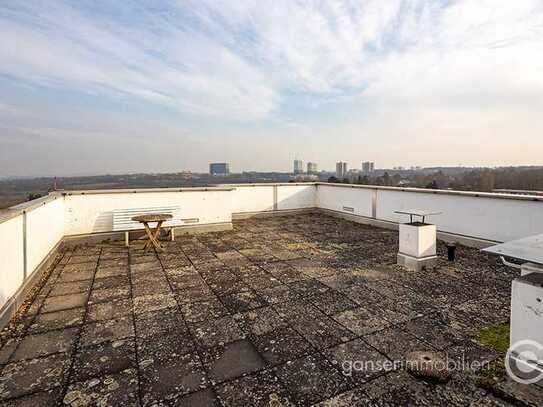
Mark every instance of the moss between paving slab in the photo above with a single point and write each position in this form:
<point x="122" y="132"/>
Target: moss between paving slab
<point x="495" y="337"/>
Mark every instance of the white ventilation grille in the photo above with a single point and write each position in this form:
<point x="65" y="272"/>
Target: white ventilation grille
<point x="191" y="220"/>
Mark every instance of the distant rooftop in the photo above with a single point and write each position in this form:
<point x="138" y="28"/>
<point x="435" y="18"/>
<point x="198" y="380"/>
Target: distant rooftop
<point x="268" y="314"/>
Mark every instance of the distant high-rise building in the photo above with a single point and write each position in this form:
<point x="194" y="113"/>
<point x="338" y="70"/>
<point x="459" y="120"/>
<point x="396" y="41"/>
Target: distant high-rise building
<point x="368" y="167"/>
<point x="341" y="169"/>
<point x="312" y="168"/>
<point x="487" y="180"/>
<point x="298" y="166"/>
<point x="219" y="168"/>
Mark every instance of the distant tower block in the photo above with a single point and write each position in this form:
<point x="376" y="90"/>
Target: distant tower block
<point x="312" y="168"/>
<point x="341" y="169"/>
<point x="219" y="169"/>
<point x="368" y="167"/>
<point x="298" y="166"/>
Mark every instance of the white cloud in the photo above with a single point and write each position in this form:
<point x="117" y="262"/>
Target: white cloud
<point x="395" y="72"/>
<point x="60" y="47"/>
<point x="464" y="54"/>
<point x="238" y="60"/>
<point x="478" y="55"/>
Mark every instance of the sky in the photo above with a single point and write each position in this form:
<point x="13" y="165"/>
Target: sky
<point x="94" y="87"/>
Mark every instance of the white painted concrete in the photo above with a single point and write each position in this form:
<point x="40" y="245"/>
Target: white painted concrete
<point x="296" y="196"/>
<point x="417" y="241"/>
<point x="415" y="263"/>
<point x="252" y="198"/>
<point x="484" y="218"/>
<point x="527" y="309"/>
<point x="337" y="198"/>
<point x="92" y="213"/>
<point x="11" y="257"/>
<point x="44" y="230"/>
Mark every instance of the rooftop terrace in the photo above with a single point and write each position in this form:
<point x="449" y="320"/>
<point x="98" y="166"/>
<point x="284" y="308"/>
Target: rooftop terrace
<point x="265" y="314"/>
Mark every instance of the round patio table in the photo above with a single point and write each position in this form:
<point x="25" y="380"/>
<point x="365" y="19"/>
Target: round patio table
<point x="152" y="234"/>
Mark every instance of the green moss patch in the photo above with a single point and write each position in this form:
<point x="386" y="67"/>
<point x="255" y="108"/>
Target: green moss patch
<point x="495" y="337"/>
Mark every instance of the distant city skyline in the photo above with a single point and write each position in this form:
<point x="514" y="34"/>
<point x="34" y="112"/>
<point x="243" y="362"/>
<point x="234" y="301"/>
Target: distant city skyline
<point x="126" y="87"/>
<point x="243" y="170"/>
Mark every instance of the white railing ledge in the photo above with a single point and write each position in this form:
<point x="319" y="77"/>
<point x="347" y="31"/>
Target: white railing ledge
<point x="438" y="191"/>
<point x="21" y="208"/>
<point x="145" y="190"/>
<point x="269" y="184"/>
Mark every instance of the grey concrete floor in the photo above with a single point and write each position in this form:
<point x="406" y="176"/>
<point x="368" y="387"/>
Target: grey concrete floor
<point x="275" y="312"/>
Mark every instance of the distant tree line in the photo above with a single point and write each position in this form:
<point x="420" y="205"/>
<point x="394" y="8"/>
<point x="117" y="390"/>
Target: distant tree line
<point x="384" y="180"/>
<point x="484" y="179"/>
<point x="31" y="196"/>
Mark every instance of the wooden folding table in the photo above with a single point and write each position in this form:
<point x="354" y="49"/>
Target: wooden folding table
<point x="152" y="234"/>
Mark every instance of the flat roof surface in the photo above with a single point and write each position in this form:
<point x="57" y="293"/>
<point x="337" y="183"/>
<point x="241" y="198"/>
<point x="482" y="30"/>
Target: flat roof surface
<point x="528" y="249"/>
<point x="274" y="312"/>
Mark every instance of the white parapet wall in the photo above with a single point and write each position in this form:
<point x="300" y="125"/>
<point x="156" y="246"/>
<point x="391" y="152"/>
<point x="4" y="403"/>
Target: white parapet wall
<point x="484" y="216"/>
<point x="346" y="199"/>
<point x="44" y="230"/>
<point x="259" y="198"/>
<point x="89" y="212"/>
<point x="252" y="198"/>
<point x="297" y="196"/>
<point x="495" y="217"/>
<point x="12" y="258"/>
<point x="30" y="232"/>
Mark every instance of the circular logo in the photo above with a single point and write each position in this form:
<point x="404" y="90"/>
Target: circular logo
<point x="523" y="361"/>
